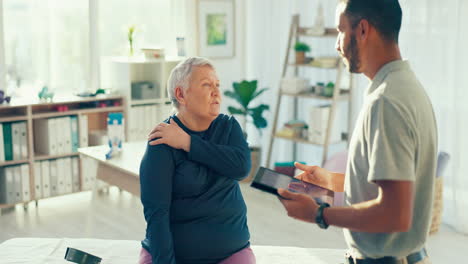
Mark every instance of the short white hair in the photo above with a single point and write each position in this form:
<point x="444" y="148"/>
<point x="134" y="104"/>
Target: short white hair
<point x="181" y="74"/>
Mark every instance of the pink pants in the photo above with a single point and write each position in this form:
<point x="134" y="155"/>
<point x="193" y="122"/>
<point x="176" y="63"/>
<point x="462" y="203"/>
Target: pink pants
<point x="244" y="256"/>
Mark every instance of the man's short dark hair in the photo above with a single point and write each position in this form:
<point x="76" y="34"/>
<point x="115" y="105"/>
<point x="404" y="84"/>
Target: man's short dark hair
<point x="384" y="15"/>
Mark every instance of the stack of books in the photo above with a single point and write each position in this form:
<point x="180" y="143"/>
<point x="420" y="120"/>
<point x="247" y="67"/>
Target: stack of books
<point x="13" y="141"/>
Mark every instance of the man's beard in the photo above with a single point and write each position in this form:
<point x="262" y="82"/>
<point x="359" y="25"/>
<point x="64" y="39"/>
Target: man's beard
<point x="352" y="55"/>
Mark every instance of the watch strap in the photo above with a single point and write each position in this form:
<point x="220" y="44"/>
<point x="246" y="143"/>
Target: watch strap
<point x="319" y="217"/>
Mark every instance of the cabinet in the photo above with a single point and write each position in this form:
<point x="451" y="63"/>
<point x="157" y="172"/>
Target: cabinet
<point x="33" y="154"/>
<point x="340" y="94"/>
<point x="142" y="83"/>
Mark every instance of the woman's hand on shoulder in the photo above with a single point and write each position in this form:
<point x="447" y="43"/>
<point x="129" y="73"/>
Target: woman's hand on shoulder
<point x="170" y="134"/>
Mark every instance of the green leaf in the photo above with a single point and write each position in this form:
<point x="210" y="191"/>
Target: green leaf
<point x="259" y="93"/>
<point x="301" y="46"/>
<point x="245" y="90"/>
<point x="236" y="111"/>
<point x="260" y="122"/>
<point x="233" y="95"/>
<point x="256" y="114"/>
<point x="259" y="109"/>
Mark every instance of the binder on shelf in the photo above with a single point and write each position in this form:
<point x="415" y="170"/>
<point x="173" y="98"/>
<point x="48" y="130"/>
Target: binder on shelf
<point x="53" y="136"/>
<point x="7" y="141"/>
<point x="67" y="175"/>
<point x="74" y="133"/>
<point x="66" y="135"/>
<point x="3" y="187"/>
<point x="140" y="131"/>
<point x="2" y="147"/>
<point x="148" y="109"/>
<point x="89" y="172"/>
<point x="10" y="185"/>
<point x="60" y="176"/>
<point x="26" y="188"/>
<point x="60" y="140"/>
<point x="133" y="123"/>
<point x="45" y="175"/>
<point x="18" y="184"/>
<point x="16" y="140"/>
<point x="57" y="123"/>
<point x="53" y="178"/>
<point x="23" y="140"/>
<point x="37" y="180"/>
<point x="75" y="174"/>
<point x="143" y="122"/>
<point x="83" y="130"/>
<point x="85" y="166"/>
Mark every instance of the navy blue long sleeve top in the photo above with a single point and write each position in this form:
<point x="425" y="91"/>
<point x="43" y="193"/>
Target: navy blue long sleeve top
<point x="193" y="205"/>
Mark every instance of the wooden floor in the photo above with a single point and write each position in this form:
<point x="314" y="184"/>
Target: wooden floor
<point x="118" y="215"/>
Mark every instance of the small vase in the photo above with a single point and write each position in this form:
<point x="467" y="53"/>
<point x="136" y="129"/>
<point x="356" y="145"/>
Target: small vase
<point x="300" y="57"/>
<point x="130" y="49"/>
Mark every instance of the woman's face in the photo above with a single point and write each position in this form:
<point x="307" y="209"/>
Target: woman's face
<point x="203" y="97"/>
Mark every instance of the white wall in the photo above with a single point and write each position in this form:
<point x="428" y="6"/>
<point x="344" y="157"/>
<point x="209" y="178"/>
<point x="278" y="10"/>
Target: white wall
<point x="2" y="52"/>
<point x="228" y="69"/>
<point x="262" y="28"/>
<point x="267" y="36"/>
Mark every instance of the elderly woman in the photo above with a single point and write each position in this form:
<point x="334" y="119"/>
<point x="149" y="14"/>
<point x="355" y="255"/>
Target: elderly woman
<point x="189" y="175"/>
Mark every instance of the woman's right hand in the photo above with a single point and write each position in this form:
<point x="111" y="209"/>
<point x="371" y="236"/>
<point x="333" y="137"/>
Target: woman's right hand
<point x="321" y="177"/>
<point x="170" y="134"/>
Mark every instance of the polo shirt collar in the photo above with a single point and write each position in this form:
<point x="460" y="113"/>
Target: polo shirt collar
<point x="384" y="71"/>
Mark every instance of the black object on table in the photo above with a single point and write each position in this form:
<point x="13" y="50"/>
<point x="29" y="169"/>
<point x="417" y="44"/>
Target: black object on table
<point x="77" y="256"/>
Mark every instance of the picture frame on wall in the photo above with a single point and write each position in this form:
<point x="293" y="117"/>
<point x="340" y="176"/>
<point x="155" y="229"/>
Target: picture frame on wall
<point x="216" y="30"/>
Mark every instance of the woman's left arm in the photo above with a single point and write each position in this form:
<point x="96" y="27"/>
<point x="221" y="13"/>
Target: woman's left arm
<point x="231" y="160"/>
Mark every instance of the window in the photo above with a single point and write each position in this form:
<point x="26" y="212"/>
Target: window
<point x="46" y="43"/>
<point x="158" y="23"/>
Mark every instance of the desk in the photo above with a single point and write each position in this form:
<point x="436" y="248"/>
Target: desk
<point x="121" y="170"/>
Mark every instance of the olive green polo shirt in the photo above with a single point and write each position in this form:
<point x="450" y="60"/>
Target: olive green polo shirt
<point x="395" y="138"/>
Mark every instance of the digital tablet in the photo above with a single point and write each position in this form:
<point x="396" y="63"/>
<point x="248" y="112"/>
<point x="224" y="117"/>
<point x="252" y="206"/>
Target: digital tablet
<point x="269" y="181"/>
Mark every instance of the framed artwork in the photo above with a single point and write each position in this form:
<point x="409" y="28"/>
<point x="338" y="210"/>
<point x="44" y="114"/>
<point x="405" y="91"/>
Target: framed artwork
<point x="215" y="23"/>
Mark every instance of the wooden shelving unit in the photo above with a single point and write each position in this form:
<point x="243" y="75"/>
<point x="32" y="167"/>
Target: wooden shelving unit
<point x="13" y="162"/>
<point x="47" y="157"/>
<point x="154" y="106"/>
<point x="343" y="96"/>
<point x="95" y="108"/>
<point x="339" y="94"/>
<point x="302" y="140"/>
<point x="329" y="32"/>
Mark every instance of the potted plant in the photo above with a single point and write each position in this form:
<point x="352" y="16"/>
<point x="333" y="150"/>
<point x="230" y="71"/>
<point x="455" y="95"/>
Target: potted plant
<point x="328" y="91"/>
<point x="244" y="93"/>
<point x="301" y="48"/>
<point x="132" y="34"/>
<point x="130" y="37"/>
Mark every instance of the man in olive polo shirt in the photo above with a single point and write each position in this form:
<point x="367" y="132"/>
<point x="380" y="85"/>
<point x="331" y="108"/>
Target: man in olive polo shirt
<point x="390" y="173"/>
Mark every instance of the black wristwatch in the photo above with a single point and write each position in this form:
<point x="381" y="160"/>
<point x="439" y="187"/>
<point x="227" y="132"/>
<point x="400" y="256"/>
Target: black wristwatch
<point x="319" y="217"/>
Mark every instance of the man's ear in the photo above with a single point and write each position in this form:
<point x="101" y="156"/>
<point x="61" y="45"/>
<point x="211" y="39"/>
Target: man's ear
<point x="180" y="95"/>
<point x="363" y="30"/>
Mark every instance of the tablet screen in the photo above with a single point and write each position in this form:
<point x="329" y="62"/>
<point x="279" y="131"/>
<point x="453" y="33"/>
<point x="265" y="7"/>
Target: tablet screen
<point x="269" y="181"/>
<point x="273" y="179"/>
